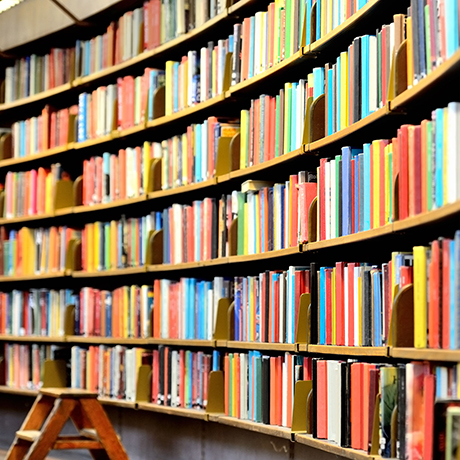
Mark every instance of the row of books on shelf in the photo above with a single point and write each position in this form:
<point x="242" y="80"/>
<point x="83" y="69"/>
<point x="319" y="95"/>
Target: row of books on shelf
<point x="34" y="251"/>
<point x="30" y="193"/>
<point x="262" y="40"/>
<point x="373" y="407"/>
<point x="142" y="29"/>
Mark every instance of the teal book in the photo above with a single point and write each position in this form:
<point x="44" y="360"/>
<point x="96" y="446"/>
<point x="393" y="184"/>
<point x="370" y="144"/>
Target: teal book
<point x="367" y="187"/>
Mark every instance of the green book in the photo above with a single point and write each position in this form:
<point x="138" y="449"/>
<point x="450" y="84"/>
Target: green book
<point x="428" y="39"/>
<point x="429" y="165"/>
<point x="288" y="30"/>
<point x="107" y="245"/>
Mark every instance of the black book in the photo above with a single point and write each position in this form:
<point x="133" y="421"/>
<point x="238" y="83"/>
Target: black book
<point x="367" y="306"/>
<point x="345" y="425"/>
<point x="314" y="326"/>
<point x="161" y="382"/>
<point x="356" y="111"/>
<point x="236" y="58"/>
<point x="314" y="401"/>
<point x="168" y="390"/>
<point x="271" y="229"/>
<point x="401" y="438"/>
<point x="266" y="389"/>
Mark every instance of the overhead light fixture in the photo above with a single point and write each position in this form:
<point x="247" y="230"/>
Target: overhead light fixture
<point x="7" y="4"/>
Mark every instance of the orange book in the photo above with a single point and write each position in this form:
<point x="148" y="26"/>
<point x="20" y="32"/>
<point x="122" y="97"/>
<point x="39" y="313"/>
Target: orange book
<point x="226" y="384"/>
<point x="321" y="398"/>
<point x="366" y="368"/>
<point x="290" y="388"/>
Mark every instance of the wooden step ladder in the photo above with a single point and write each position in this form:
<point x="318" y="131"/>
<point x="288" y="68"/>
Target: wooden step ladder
<point x="52" y="408"/>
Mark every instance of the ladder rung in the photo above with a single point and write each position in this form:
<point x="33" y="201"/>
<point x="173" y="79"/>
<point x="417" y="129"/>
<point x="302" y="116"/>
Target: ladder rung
<point x="76" y="442"/>
<point x="28" y="435"/>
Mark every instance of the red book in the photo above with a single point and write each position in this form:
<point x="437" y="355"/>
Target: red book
<point x="293" y="212"/>
<point x="328" y="306"/>
<point x="445" y="313"/>
<point x="429" y="387"/>
<point x="371" y="183"/>
<point x="307" y="193"/>
<point x="227" y="383"/>
<point x="353" y="210"/>
<point x="415" y="169"/>
<point x="273" y="400"/>
<point x="290" y="385"/>
<point x="277" y="308"/>
<point x="423" y="167"/>
<point x="395" y="172"/>
<point x="356" y="405"/>
<point x="321" y="398"/>
<point x="366" y="383"/>
<point x="434" y="293"/>
<point x="403" y="172"/>
<point x="351" y="301"/>
<point x="156" y="23"/>
<point x="339" y="304"/>
<point x="245" y="49"/>
<point x="406" y="276"/>
<point x="382" y="143"/>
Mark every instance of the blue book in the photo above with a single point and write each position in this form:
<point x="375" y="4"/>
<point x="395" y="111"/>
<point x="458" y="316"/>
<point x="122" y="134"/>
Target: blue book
<point x="282" y="215"/>
<point x="106" y="177"/>
<point x="439" y="158"/>
<point x="87" y="58"/>
<point x="456" y="318"/>
<point x="158" y="220"/>
<point x="318" y="82"/>
<point x="330" y="102"/>
<point x="78" y="44"/>
<point x="453" y="301"/>
<point x="22" y="133"/>
<point x="308" y="22"/>
<point x="364" y="76"/>
<point x="322" y="306"/>
<point x="176" y="85"/>
<point x="356" y="192"/>
<point x="215" y="360"/>
<point x="452" y="26"/>
<point x="361" y="3"/>
<point x="108" y="313"/>
<point x="367" y="187"/>
<point x="258" y="387"/>
<point x="237" y="311"/>
<point x="251" y="48"/>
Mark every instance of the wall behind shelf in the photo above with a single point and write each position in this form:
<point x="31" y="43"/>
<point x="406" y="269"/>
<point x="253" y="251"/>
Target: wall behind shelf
<point x="148" y="435"/>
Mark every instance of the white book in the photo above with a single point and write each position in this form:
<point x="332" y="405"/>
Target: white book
<point x="356" y="307"/>
<point x="331" y="408"/>
<point x="327" y="179"/>
<point x="332" y="198"/>
<point x="373" y="77"/>
<point x="345" y="301"/>
<point x="453" y="151"/>
<point x="282" y="312"/>
<point x="204" y="150"/>
<point x="74" y="351"/>
<point x="287" y="216"/>
<point x="9" y="84"/>
<point x="174" y="393"/>
<point x="284" y="393"/>
<point x="211" y="314"/>
<point x="257" y="44"/>
<point x="115" y="370"/>
<point x="129" y="370"/>
<point x="263" y="53"/>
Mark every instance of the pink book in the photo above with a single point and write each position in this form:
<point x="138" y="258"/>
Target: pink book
<point x="33" y="193"/>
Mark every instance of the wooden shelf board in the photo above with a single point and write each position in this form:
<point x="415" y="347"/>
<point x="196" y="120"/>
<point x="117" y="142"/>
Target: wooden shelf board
<point x="106" y="340"/>
<point x="92" y="142"/>
<point x="410" y="94"/>
<point x="42" y="276"/>
<point x="31" y="339"/>
<point x="18" y="391"/>
<point x="221" y="343"/>
<point x="129" y="131"/>
<point x="339" y="135"/>
<point x="261" y="346"/>
<point x="429" y="354"/>
<point x="319" y="45"/>
<point x="302" y="347"/>
<point x="36" y="156"/>
<point x="278" y="431"/>
<point x="179" y="411"/>
<point x="427" y="217"/>
<point x="351" y="351"/>
<point x="20" y="219"/>
<point x="111" y="205"/>
<point x="254" y="81"/>
<point x="185" y="112"/>
<point x="239" y="5"/>
<point x="63" y="211"/>
<point x="183" y="342"/>
<point x="332" y="448"/>
<point x="182" y="189"/>
<point x="116" y="402"/>
<point x="261" y="166"/>
<point x="117" y="272"/>
<point x="353" y="238"/>
<point x="36" y="97"/>
<point x="264" y="255"/>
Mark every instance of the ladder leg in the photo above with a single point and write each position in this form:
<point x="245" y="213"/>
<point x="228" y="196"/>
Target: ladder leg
<point x="51" y="429"/>
<point x="105" y="431"/>
<point x="40" y="409"/>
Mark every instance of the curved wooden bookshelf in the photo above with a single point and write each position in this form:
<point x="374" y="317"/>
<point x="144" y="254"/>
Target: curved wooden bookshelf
<point x="103" y="206"/>
<point x="327" y="446"/>
<point x="182" y="189"/>
<point x="43" y="276"/>
<point x="17" y="391"/>
<point x="263" y="255"/>
<point x="182" y="342"/>
<point x="31" y="339"/>
<point x="261" y="346"/>
<point x="345" y="350"/>
<point x="106" y="273"/>
<point x="425" y="354"/>
<point x="7" y="163"/>
<point x="106" y="340"/>
<point x="117" y="402"/>
<point x="25" y="219"/>
<point x="198" y="414"/>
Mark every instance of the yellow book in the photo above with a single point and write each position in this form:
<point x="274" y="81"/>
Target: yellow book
<point x="244" y="138"/>
<point x="420" y="300"/>
<point x="334" y="313"/>
<point x="323" y="18"/>
<point x="113" y="247"/>
<point x="376" y="183"/>
<point x="310" y="80"/>
<point x="457" y="369"/>
<point x="28" y="250"/>
<point x="185" y="179"/>
<point x="89" y="247"/>
<point x="360" y="311"/>
<point x="97" y="238"/>
<point x="49" y="194"/>
<point x="175" y="159"/>
<point x="344" y="112"/>
<point x="169" y="87"/>
<point x="387" y="182"/>
<point x="146" y="155"/>
<point x="410" y="62"/>
<point x="330" y="13"/>
<point x="246" y="217"/>
<point x="132" y="311"/>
